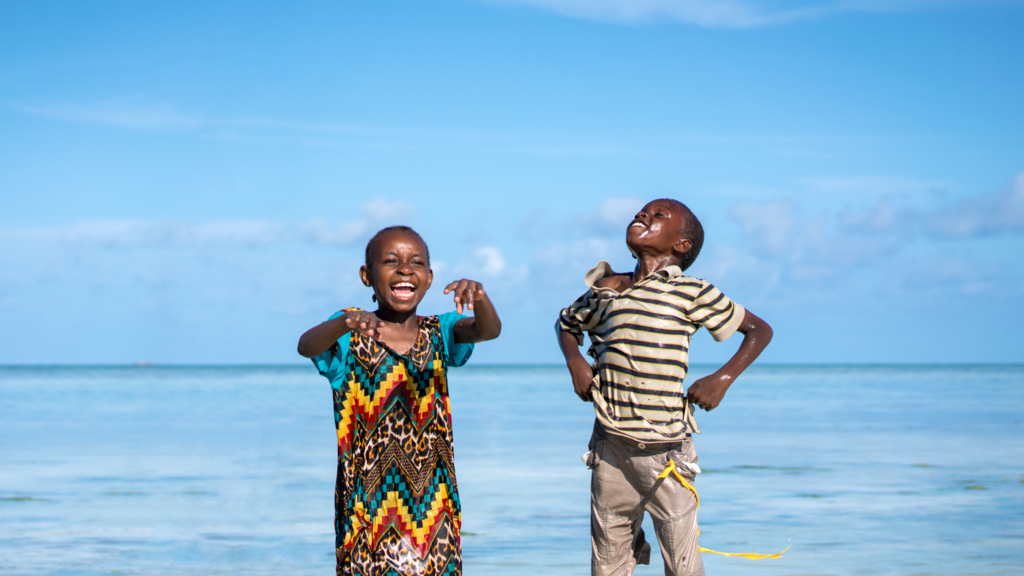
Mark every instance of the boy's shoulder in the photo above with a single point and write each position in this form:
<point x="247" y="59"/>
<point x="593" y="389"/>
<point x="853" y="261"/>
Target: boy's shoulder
<point x="616" y="281"/>
<point x="688" y="288"/>
<point x="687" y="281"/>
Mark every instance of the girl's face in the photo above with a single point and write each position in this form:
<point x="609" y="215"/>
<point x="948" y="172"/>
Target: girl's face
<point x="400" y="275"/>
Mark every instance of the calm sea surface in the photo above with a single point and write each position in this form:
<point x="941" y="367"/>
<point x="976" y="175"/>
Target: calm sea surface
<point x="862" y="470"/>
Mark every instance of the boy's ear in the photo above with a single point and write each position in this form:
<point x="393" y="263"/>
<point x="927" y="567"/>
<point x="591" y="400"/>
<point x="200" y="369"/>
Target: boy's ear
<point x="682" y="246"/>
<point x="365" y="276"/>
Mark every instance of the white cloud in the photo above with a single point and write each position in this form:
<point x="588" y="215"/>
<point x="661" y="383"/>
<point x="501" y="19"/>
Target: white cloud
<point x="147" y="233"/>
<point x="988" y="215"/>
<point x="707" y="13"/>
<point x="122" y="113"/>
<point x="318" y="231"/>
<point x="488" y="262"/>
<point x="771" y="228"/>
<point x="384" y="210"/>
<point x="723" y="13"/>
<point x="784" y="249"/>
<point x="123" y="233"/>
<point x="612" y="216"/>
<point x="881" y="218"/>
<point x="873" y="185"/>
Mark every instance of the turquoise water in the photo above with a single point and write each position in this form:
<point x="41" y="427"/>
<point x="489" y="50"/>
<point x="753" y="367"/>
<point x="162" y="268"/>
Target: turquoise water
<point x="863" y="470"/>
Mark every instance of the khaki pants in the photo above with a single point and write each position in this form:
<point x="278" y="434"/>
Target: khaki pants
<point x="624" y="485"/>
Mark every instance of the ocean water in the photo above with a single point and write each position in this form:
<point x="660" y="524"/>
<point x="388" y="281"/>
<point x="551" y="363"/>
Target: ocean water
<point x="192" y="470"/>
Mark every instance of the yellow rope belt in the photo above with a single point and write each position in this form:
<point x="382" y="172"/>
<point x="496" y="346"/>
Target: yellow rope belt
<point x="671" y="469"/>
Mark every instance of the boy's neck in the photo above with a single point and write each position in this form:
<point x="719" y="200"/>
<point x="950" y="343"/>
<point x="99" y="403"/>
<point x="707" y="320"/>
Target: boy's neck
<point x="649" y="263"/>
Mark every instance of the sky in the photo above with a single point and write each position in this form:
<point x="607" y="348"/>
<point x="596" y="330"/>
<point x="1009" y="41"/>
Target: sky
<point x="195" y="182"/>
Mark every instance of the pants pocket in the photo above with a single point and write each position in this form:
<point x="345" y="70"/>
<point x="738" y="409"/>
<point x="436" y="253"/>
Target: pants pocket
<point x="685" y="458"/>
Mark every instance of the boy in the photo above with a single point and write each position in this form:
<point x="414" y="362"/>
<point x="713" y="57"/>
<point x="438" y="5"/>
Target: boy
<point x="640" y="325"/>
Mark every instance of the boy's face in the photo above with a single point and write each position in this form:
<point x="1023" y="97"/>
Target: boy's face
<point x="400" y="275"/>
<point x="659" y="228"/>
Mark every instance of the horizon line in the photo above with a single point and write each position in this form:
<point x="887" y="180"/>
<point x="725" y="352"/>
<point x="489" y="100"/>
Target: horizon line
<point x="144" y="365"/>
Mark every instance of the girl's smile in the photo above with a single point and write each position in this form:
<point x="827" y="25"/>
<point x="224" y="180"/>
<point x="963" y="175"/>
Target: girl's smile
<point x="399" y="274"/>
<point x="403" y="290"/>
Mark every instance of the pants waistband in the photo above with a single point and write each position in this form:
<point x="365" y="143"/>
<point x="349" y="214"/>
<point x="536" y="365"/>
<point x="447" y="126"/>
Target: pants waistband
<point x="652" y="447"/>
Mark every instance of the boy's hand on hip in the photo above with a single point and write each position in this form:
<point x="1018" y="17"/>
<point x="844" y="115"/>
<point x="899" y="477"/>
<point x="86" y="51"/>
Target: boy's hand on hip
<point x="365" y="323"/>
<point x="466" y="291"/>
<point x="582" y="377"/>
<point x="707" y="392"/>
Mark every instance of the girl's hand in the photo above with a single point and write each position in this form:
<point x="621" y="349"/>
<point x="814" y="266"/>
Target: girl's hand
<point x="466" y="291"/>
<point x="363" y="322"/>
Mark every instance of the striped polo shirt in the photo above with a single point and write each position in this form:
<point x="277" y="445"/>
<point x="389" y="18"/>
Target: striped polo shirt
<point x="640" y="343"/>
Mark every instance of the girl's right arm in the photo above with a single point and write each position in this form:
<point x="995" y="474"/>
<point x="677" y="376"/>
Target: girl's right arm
<point x="319" y="338"/>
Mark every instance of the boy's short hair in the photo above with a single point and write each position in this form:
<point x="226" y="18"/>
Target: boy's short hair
<point x="692" y="231"/>
<point x="372" y="244"/>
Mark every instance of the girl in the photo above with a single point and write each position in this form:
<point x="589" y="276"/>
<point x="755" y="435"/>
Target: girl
<point x="396" y="499"/>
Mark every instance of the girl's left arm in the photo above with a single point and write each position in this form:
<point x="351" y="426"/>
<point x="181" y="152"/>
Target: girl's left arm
<point x="485" y="324"/>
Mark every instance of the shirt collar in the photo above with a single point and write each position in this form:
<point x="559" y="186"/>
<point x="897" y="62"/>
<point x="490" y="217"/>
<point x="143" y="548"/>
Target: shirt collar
<point x="604" y="270"/>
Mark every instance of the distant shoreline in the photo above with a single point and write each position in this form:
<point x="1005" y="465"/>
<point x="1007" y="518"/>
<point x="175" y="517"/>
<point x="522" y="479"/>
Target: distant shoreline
<point x="304" y="365"/>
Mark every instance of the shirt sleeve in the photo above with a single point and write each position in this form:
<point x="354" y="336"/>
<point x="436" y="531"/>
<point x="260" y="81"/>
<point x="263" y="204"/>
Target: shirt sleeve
<point x="331" y="363"/>
<point x="458" y="353"/>
<point x="716" y="312"/>
<point x="581" y="316"/>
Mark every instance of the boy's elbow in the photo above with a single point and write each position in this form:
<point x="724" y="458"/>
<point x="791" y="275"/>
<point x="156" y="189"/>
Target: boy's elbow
<point x="764" y="332"/>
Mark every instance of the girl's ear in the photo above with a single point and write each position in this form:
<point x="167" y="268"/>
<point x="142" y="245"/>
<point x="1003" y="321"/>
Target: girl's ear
<point x="430" y="277"/>
<point x="366" y="276"/>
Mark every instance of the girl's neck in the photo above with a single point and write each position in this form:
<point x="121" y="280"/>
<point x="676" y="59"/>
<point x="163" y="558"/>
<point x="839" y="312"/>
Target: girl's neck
<point x="403" y="319"/>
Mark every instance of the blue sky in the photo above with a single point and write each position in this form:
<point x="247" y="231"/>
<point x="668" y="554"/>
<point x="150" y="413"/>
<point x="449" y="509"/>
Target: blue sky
<point x="195" y="182"/>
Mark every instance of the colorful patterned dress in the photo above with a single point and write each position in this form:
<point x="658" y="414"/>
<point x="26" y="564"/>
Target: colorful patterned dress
<point x="397" y="508"/>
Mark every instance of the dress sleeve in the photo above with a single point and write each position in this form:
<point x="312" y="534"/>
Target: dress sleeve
<point x="331" y="363"/>
<point x="581" y="316"/>
<point x="458" y="353"/>
<point x="716" y="312"/>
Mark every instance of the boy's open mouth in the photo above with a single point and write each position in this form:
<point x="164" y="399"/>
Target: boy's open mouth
<point x="403" y="291"/>
<point x="640" y="225"/>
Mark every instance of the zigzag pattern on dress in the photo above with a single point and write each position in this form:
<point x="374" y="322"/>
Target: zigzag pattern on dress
<point x="402" y="559"/>
<point x="397" y="504"/>
<point x="368" y="395"/>
<point x="393" y="454"/>
<point x="393" y="505"/>
<point x="390" y="489"/>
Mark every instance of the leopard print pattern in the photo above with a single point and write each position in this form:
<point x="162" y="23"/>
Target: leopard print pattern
<point x="396" y="472"/>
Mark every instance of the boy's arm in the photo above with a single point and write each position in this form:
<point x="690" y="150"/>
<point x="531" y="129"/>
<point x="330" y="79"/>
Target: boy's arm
<point x="485" y="324"/>
<point x="580" y="370"/>
<point x="707" y="393"/>
<point x="319" y="338"/>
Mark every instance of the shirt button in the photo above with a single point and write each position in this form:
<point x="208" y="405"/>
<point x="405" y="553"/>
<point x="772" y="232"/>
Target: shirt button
<point x="641" y="446"/>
